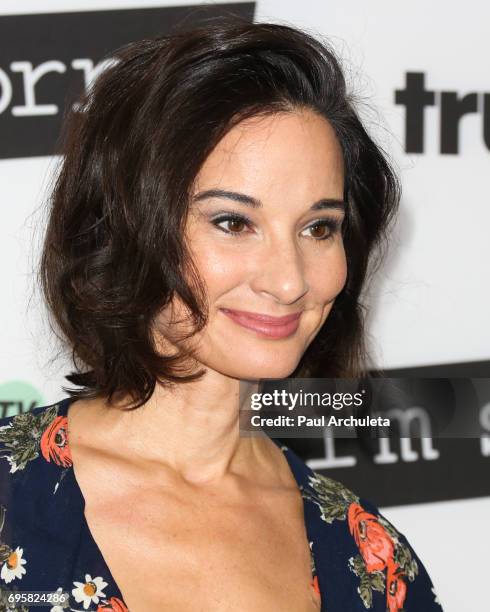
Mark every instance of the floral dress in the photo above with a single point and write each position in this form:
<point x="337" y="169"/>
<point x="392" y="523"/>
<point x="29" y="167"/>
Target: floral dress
<point x="359" y="561"/>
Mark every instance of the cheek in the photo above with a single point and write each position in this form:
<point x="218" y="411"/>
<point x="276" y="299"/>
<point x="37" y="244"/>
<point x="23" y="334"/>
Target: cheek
<point x="220" y="268"/>
<point x="327" y="278"/>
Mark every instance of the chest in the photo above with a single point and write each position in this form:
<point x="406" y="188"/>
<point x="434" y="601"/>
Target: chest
<point x="180" y="552"/>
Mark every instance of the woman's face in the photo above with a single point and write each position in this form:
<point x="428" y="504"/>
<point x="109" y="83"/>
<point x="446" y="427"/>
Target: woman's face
<point x="280" y="179"/>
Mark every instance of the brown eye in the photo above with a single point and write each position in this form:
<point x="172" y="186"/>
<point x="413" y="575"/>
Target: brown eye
<point x="236" y="224"/>
<point x="324" y="229"/>
<point x="318" y="231"/>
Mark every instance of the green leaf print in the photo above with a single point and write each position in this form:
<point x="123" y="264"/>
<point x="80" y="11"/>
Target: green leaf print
<point x="332" y="497"/>
<point x="408" y="565"/>
<point x="21" y="438"/>
<point x="369" y="582"/>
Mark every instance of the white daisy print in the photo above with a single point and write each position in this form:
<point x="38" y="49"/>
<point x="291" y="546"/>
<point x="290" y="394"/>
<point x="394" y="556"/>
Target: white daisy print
<point x="89" y="591"/>
<point x="13" y="566"/>
<point x="61" y="606"/>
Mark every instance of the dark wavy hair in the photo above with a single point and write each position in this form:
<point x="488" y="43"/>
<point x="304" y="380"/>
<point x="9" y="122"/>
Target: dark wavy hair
<point x="114" y="252"/>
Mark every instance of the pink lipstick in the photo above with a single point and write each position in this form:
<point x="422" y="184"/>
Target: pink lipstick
<point x="265" y="325"/>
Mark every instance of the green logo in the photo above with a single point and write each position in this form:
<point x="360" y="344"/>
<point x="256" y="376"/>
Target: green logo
<point x="17" y="397"/>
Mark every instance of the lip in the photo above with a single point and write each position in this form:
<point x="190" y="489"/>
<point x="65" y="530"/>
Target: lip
<point x="265" y="325"/>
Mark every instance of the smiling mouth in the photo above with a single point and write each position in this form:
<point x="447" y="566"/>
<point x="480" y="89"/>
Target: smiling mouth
<point x="265" y="325"/>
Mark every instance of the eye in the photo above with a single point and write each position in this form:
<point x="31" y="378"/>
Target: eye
<point x="319" y="228"/>
<point x="235" y="223"/>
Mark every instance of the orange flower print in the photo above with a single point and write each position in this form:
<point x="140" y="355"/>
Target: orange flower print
<point x="396" y="588"/>
<point x="373" y="541"/>
<point x="54" y="442"/>
<point x="314" y="584"/>
<point x="113" y="605"/>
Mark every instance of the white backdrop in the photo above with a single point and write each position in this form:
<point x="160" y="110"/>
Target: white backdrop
<point x="430" y="302"/>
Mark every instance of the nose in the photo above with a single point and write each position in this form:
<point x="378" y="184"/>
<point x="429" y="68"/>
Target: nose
<point x="280" y="272"/>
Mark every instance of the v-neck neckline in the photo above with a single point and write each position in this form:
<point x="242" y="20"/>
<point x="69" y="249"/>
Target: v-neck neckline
<point x="86" y="534"/>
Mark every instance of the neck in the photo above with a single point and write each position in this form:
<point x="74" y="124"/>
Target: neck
<point x="191" y="432"/>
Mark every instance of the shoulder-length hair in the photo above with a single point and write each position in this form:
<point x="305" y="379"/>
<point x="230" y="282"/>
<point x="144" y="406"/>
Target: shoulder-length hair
<point x="114" y="252"/>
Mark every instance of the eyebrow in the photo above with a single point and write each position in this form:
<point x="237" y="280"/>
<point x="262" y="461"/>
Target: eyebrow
<point x="241" y="198"/>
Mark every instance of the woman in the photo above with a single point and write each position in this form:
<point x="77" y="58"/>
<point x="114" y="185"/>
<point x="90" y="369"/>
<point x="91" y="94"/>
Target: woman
<point x="211" y="225"/>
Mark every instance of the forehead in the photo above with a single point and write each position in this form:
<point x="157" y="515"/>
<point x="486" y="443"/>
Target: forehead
<point x="297" y="150"/>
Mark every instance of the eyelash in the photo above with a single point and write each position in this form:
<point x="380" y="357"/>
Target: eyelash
<point x="330" y="222"/>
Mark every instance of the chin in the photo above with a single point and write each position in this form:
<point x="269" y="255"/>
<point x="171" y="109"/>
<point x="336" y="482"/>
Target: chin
<point x="264" y="371"/>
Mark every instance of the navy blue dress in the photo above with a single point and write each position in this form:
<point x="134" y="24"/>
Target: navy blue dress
<point x="359" y="561"/>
